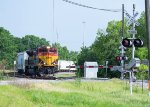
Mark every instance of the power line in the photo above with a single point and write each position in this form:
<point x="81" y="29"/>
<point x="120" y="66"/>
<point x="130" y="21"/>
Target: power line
<point x="82" y="5"/>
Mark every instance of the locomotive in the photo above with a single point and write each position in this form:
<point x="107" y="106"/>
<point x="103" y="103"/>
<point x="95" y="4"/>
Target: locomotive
<point x="39" y="62"/>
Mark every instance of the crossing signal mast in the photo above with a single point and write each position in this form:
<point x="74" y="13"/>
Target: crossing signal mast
<point x="129" y="43"/>
<point x="122" y="49"/>
<point x="132" y="43"/>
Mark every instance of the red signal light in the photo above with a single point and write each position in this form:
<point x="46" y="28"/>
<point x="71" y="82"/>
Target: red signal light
<point x="127" y="42"/>
<point x="118" y="58"/>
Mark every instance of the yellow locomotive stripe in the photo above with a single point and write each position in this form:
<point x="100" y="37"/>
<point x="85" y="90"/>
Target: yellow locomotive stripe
<point x="48" y="60"/>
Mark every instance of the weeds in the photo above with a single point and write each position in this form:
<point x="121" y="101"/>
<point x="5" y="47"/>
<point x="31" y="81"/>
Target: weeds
<point x="24" y="85"/>
<point x="80" y="94"/>
<point x="78" y="82"/>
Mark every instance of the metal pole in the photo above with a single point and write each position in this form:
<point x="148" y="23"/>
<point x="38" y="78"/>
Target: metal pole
<point x="147" y="13"/>
<point x="133" y="36"/>
<point x="122" y="20"/>
<point x="53" y="16"/>
<point x="133" y="50"/>
<point x="122" y="48"/>
<point x="14" y="68"/>
<point x="130" y="73"/>
<point x="83" y="31"/>
<point x="106" y="67"/>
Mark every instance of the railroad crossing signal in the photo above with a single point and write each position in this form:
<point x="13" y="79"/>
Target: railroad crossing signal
<point x="119" y="58"/>
<point x="128" y="42"/>
<point x="138" y="43"/>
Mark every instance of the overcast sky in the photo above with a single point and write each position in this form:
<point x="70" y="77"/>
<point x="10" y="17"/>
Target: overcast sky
<point x="22" y="17"/>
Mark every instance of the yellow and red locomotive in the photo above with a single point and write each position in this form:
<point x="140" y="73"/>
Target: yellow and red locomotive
<point x="43" y="60"/>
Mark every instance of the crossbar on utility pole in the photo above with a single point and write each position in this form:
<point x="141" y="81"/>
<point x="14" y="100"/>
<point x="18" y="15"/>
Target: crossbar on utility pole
<point x="147" y="13"/>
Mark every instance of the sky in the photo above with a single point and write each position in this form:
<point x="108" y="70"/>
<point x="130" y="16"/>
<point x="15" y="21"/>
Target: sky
<point x="67" y="24"/>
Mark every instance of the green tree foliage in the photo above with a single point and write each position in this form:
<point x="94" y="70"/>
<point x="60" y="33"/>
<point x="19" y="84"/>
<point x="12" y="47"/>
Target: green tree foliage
<point x="32" y="42"/>
<point x="142" y="74"/>
<point x="86" y="54"/>
<point x="73" y="55"/>
<point x="106" y="45"/>
<point x="8" y="47"/>
<point x="141" y="29"/>
<point x="142" y="53"/>
<point x="64" y="53"/>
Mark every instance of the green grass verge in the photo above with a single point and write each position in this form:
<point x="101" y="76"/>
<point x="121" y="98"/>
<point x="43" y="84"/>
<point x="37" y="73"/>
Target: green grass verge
<point x="113" y="93"/>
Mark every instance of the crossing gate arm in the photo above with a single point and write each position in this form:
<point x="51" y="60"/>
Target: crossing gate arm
<point x="81" y="67"/>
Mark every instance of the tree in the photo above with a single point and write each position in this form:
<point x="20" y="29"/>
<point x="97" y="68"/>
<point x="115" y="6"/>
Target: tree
<point x="32" y="42"/>
<point x="86" y="54"/>
<point x="73" y="55"/>
<point x="142" y="74"/>
<point x="141" y="53"/>
<point x="141" y="29"/>
<point x="8" y="47"/>
<point x="64" y="53"/>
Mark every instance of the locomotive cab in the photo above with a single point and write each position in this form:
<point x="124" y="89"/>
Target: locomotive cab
<point x="42" y="61"/>
<point x="48" y="56"/>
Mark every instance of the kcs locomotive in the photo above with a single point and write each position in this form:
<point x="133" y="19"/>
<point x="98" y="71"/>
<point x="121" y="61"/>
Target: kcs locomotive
<point x="39" y="62"/>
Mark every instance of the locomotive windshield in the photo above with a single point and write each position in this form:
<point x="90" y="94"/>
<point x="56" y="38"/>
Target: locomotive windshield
<point x="47" y="50"/>
<point x="53" y="50"/>
<point x="43" y="50"/>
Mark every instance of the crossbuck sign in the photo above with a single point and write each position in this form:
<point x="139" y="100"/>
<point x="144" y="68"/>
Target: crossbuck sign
<point x="131" y="20"/>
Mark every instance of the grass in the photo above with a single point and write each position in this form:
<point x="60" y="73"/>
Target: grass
<point x="114" y="93"/>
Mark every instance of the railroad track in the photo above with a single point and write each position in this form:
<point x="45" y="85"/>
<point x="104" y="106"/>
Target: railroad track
<point x="17" y="75"/>
<point x="58" y="76"/>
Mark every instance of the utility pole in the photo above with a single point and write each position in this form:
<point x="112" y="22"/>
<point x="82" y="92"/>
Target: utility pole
<point x="53" y="17"/>
<point x="122" y="20"/>
<point x="147" y="13"/>
<point x="83" y="32"/>
<point x="122" y="47"/>
<point x="57" y="36"/>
